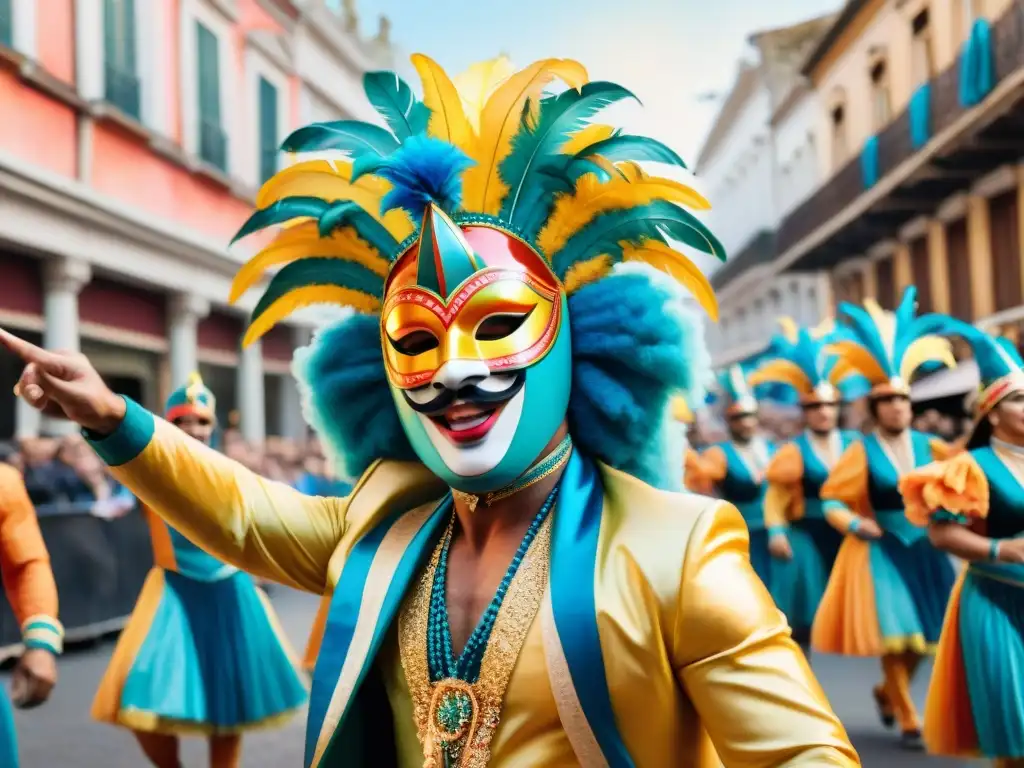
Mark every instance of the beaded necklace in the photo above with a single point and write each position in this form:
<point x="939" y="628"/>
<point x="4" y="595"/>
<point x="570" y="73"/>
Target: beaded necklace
<point x="457" y="701"/>
<point x="535" y="474"/>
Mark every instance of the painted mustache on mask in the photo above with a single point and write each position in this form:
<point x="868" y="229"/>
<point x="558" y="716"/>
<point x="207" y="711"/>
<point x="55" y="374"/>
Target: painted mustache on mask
<point x="470" y="393"/>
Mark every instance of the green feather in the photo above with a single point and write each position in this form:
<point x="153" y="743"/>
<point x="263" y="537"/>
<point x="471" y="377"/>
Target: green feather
<point x="352" y="136"/>
<point x="318" y="271"/>
<point x="622" y="147"/>
<point x="394" y="100"/>
<point x="283" y="210"/>
<point x="535" y="146"/>
<point x="349" y="214"/>
<point x="606" y="233"/>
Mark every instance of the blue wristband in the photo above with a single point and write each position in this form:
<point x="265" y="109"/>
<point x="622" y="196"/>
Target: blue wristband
<point x="993" y="550"/>
<point x="853" y="526"/>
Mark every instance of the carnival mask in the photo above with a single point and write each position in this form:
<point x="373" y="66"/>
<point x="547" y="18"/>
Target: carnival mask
<point x="477" y="351"/>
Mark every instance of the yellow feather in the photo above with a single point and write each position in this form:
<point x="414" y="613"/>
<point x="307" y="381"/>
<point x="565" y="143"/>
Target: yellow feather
<point x="782" y="372"/>
<point x="790" y="330"/>
<point x="573" y="211"/>
<point x="856" y="356"/>
<point x="840" y="370"/>
<point x="448" y="119"/>
<point x="926" y="349"/>
<point x="303" y="242"/>
<point x="585" y="272"/>
<point x="681" y="410"/>
<point x="824" y="328"/>
<point x="587" y="137"/>
<point x="885" y="322"/>
<point x="483" y="189"/>
<point x="676" y="264"/>
<point x="306" y="297"/>
<point x="329" y="180"/>
<point x="477" y="83"/>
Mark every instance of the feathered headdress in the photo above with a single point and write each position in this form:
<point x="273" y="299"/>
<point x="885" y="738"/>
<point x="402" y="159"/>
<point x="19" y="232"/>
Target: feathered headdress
<point x="531" y="163"/>
<point x="887" y="348"/>
<point x="735" y="386"/>
<point x="798" y="357"/>
<point x="194" y="398"/>
<point x="493" y="149"/>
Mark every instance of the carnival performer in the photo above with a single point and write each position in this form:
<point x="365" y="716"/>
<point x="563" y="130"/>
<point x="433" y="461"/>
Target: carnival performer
<point x="693" y="476"/>
<point x="889" y="586"/>
<point x="800" y="539"/>
<point x="736" y="466"/>
<point x="32" y="594"/>
<point x="510" y="348"/>
<point x="202" y="653"/>
<point x="973" y="504"/>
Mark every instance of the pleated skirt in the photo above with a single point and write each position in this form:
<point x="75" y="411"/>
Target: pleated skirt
<point x="799" y="584"/>
<point x="206" y="657"/>
<point x="8" y="738"/>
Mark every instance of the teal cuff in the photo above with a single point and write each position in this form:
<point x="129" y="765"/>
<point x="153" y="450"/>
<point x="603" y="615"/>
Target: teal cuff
<point x="993" y="550"/>
<point x="775" y="530"/>
<point x="130" y="438"/>
<point x="854" y="525"/>
<point x="42" y="645"/>
<point x="945" y="516"/>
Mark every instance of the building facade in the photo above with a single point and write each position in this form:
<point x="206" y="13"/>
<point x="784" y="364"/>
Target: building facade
<point x="916" y="115"/>
<point x="135" y="136"/>
<point x="757" y="163"/>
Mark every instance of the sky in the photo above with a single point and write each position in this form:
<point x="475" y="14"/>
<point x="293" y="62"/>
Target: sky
<point x="667" y="52"/>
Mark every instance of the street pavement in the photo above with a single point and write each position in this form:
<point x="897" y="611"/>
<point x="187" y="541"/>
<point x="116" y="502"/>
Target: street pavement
<point x="61" y="734"/>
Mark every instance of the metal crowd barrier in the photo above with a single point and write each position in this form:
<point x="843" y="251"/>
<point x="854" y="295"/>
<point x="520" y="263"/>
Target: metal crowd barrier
<point x="99" y="566"/>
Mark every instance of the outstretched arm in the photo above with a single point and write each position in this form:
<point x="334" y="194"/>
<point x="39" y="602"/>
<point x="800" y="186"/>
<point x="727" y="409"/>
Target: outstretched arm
<point x="749" y="682"/>
<point x="25" y="564"/>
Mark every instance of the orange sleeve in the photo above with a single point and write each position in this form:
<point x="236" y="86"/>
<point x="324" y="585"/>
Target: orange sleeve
<point x="956" y="487"/>
<point x="714" y="464"/>
<point x="786" y="466"/>
<point x="696" y="481"/>
<point x="942" y="450"/>
<point x="25" y="564"/>
<point x="845" y="492"/>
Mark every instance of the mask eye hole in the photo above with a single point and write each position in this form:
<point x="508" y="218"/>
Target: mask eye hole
<point x="500" y="325"/>
<point x="414" y="343"/>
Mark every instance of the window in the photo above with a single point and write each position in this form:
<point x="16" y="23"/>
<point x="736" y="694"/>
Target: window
<point x="880" y="103"/>
<point x="6" y="23"/>
<point x="121" y="79"/>
<point x="268" y="129"/>
<point x="212" y="139"/>
<point x="923" y="58"/>
<point x="839" y="148"/>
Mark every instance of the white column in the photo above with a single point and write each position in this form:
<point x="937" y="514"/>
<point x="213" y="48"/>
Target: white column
<point x="250" y="393"/>
<point x="152" y="54"/>
<point x="62" y="281"/>
<point x="89" y="48"/>
<point x="186" y="310"/>
<point x="293" y="422"/>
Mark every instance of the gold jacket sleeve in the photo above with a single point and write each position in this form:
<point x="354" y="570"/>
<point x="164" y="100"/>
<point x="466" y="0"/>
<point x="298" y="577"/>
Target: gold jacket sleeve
<point x="750" y="683"/>
<point x="264" y="527"/>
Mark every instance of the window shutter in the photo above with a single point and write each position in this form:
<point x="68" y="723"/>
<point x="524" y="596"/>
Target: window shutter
<point x="6" y="23"/>
<point x="120" y="75"/>
<point x="268" y="129"/>
<point x="212" y="141"/>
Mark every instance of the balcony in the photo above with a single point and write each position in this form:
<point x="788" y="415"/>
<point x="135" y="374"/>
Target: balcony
<point x="804" y="242"/>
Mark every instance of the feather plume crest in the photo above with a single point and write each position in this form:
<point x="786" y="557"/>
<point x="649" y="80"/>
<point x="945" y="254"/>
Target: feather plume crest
<point x="394" y="101"/>
<point x="476" y="84"/>
<point x="448" y="119"/>
<point x="307" y="296"/>
<point x="782" y="372"/>
<point x="499" y="122"/>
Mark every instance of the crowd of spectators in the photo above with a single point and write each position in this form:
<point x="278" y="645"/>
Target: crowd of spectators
<point x="64" y="476"/>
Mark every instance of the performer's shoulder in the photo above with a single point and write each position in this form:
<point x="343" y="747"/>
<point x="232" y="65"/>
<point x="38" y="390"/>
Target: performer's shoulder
<point x="391" y="486"/>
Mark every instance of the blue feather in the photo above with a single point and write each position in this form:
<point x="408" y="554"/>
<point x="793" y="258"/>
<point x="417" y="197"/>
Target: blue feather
<point x="346" y="396"/>
<point x="318" y="271"/>
<point x="606" y="233"/>
<point x="351" y="136"/>
<point x="346" y="213"/>
<point x="536" y="145"/>
<point x="423" y="170"/>
<point x="622" y="147"/>
<point x="394" y="100"/>
<point x="865" y="333"/>
<point x="905" y="324"/>
<point x="634" y="347"/>
<point x="283" y="210"/>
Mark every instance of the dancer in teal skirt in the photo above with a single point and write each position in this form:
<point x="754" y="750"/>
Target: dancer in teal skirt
<point x="202" y="653"/>
<point x="973" y="504"/>
<point x="801" y="541"/>
<point x="736" y="466"/>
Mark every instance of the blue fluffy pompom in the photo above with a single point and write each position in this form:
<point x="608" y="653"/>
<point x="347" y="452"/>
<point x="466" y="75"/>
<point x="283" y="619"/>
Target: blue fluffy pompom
<point x="346" y="396"/>
<point x="423" y="170"/>
<point x="635" y="346"/>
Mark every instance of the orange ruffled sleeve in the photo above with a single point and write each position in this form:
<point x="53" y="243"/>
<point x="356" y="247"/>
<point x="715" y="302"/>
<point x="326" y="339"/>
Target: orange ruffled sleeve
<point x="845" y="492"/>
<point x="956" y="485"/>
<point x="784" y="499"/>
<point x="941" y="450"/>
<point x="714" y="464"/>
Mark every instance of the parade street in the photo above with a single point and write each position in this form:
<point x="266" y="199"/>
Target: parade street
<point x="61" y="733"/>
